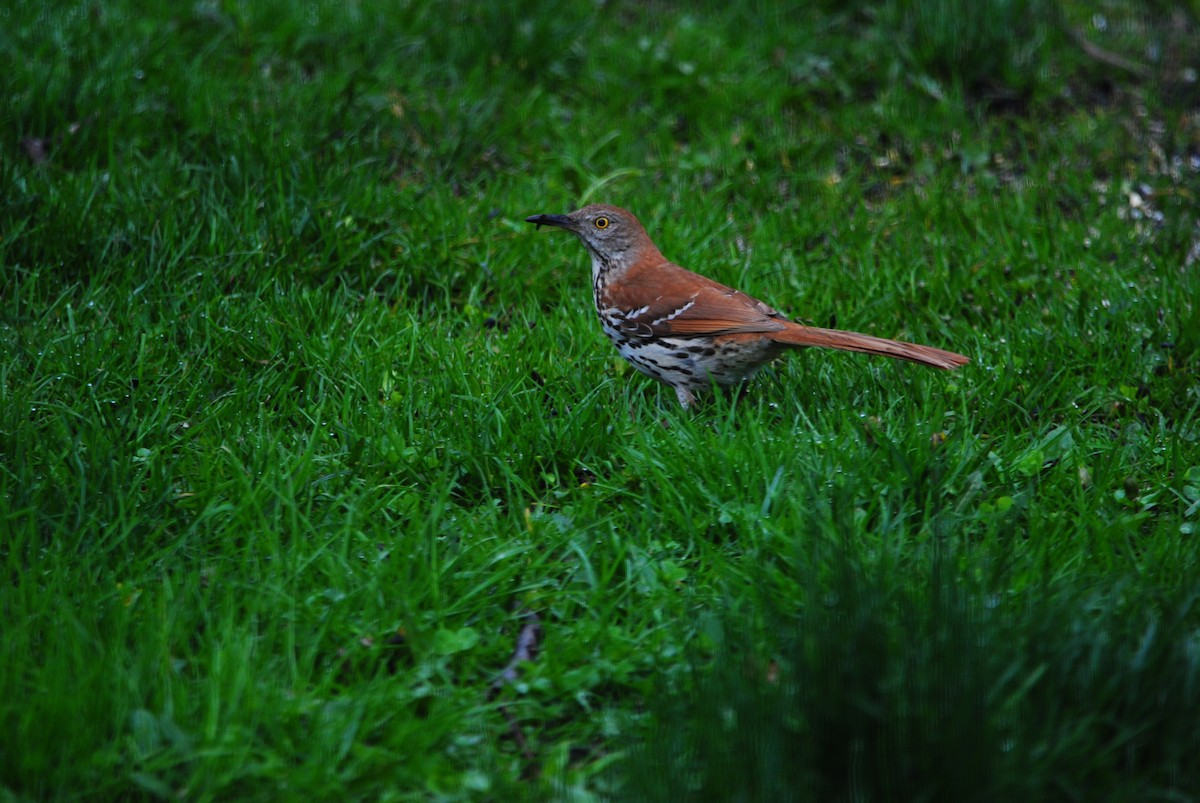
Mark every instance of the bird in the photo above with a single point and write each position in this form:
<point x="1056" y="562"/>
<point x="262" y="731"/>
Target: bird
<point x="687" y="330"/>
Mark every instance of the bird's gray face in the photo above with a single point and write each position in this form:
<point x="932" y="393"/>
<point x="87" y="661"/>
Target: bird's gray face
<point x="607" y="233"/>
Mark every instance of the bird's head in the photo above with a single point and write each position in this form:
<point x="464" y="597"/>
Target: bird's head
<point x="613" y="236"/>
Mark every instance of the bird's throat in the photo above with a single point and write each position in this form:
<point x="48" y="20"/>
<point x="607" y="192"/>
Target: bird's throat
<point x="599" y="268"/>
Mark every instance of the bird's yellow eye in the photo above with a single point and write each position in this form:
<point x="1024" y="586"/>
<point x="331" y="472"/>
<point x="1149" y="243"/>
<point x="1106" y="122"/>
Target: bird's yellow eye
<point x="602" y="223"/>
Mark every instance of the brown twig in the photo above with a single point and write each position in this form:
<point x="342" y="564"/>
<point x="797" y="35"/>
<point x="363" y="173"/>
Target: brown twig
<point x="526" y="650"/>
<point x="1111" y="59"/>
<point x="528" y="640"/>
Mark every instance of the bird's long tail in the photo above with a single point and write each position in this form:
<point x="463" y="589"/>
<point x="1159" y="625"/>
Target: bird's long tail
<point x="800" y="335"/>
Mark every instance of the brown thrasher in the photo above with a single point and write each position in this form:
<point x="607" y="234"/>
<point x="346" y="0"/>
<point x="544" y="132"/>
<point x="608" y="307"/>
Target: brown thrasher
<point x="685" y="329"/>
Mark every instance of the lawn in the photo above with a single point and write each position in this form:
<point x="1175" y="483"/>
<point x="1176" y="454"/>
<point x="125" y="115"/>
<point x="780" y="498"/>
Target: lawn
<point x="319" y="481"/>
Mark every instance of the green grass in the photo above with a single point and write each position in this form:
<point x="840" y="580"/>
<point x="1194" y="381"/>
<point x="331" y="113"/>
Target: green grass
<point x="300" y="419"/>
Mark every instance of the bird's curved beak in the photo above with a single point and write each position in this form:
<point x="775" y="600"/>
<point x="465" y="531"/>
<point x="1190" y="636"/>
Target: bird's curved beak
<point x="562" y="221"/>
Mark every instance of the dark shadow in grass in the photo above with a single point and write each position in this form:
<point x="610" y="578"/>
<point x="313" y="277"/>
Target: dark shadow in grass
<point x="883" y="687"/>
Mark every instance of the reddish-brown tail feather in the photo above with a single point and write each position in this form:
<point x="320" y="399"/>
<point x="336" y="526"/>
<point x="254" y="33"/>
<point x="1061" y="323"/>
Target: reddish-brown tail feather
<point x="799" y="335"/>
